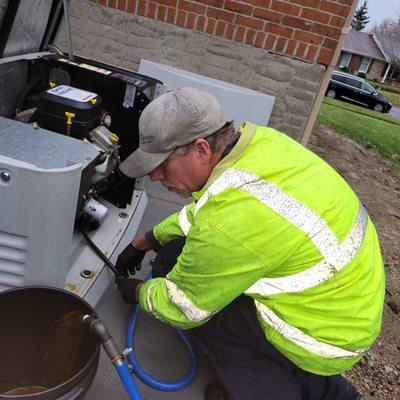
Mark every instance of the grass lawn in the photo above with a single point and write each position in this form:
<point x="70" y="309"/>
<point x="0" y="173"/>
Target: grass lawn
<point x="392" y="93"/>
<point x="393" y="97"/>
<point x="369" y="128"/>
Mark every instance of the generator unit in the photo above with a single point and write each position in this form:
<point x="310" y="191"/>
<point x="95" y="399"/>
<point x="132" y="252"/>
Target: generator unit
<point x="66" y="123"/>
<point x="64" y="129"/>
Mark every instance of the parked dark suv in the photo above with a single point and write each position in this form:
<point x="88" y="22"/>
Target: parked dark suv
<point x="356" y="90"/>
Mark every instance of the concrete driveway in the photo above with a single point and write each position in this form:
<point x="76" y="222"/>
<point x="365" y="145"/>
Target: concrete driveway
<point x="395" y="112"/>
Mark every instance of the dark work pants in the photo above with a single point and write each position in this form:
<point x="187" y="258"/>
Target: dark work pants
<point x="248" y="365"/>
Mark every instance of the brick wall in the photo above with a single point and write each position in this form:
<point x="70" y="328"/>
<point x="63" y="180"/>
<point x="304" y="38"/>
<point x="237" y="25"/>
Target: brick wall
<point x="123" y="39"/>
<point x="305" y="29"/>
<point x="376" y="70"/>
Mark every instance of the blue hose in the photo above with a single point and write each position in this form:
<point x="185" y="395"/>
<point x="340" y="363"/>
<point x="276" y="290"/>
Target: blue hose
<point x="122" y="368"/>
<point x="147" y="379"/>
<point x="126" y="378"/>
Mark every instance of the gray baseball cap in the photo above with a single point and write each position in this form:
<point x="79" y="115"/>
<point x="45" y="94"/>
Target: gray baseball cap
<point x="174" y="119"/>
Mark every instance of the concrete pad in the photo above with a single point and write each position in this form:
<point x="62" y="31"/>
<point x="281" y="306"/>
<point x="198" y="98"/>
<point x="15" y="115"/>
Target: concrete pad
<point x="156" y="190"/>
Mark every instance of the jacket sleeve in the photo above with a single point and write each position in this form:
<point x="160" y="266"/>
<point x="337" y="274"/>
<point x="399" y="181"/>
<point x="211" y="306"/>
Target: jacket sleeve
<point x="212" y="270"/>
<point x="175" y="225"/>
<point x="233" y="241"/>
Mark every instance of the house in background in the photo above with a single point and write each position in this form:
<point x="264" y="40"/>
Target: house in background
<point x="375" y="55"/>
<point x="390" y="47"/>
<point x="361" y="54"/>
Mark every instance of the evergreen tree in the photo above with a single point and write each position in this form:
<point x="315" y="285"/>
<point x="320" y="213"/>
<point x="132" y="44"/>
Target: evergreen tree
<point x="360" y="19"/>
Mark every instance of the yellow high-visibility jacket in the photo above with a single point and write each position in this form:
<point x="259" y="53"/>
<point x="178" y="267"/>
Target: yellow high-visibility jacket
<point x="277" y="223"/>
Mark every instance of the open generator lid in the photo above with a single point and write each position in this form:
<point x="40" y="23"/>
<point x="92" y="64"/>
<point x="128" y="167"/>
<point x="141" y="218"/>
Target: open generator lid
<point x="26" y="26"/>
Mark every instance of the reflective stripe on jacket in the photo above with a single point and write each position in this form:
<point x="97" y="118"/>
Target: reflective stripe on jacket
<point x="277" y="223"/>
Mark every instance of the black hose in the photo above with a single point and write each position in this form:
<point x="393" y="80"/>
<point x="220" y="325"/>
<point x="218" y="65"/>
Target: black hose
<point x="100" y="253"/>
<point x="116" y="158"/>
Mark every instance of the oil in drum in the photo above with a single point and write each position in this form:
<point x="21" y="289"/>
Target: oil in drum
<point x="64" y="345"/>
<point x="26" y="390"/>
<point x="46" y="355"/>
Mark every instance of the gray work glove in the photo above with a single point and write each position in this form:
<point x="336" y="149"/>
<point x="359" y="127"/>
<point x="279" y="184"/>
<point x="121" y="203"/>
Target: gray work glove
<point x="128" y="287"/>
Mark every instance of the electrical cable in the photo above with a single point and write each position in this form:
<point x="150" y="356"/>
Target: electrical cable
<point x="100" y="253"/>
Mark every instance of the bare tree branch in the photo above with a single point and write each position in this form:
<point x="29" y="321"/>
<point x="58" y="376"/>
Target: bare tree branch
<point x="388" y="33"/>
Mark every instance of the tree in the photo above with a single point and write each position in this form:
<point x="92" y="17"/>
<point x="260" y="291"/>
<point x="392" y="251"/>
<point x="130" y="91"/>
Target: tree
<point x="388" y="32"/>
<point x="389" y="27"/>
<point x="360" y="19"/>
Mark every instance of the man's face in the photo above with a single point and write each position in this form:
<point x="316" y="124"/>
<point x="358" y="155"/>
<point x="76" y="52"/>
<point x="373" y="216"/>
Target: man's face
<point x="185" y="174"/>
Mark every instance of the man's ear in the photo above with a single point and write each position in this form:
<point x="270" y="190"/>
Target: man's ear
<point x="202" y="147"/>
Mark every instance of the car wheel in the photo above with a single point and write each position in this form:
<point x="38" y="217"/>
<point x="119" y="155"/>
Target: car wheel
<point x="378" y="107"/>
<point x="331" y="94"/>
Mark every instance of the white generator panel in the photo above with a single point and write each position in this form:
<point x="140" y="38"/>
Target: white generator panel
<point x="238" y="103"/>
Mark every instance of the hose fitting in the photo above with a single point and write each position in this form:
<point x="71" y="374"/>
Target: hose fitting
<point x="98" y="327"/>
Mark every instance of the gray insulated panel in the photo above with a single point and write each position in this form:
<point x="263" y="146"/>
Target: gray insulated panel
<point x="42" y="148"/>
<point x="29" y="26"/>
<point x="13" y="78"/>
<point x="40" y="174"/>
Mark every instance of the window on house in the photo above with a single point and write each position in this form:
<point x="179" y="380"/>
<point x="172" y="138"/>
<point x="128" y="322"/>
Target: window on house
<point x="345" y="60"/>
<point x="364" y="64"/>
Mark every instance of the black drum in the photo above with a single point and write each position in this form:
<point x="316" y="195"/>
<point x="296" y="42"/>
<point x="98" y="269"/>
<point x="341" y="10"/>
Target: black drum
<point x="45" y="351"/>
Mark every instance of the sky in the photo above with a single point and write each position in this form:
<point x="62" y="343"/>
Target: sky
<point x="378" y="10"/>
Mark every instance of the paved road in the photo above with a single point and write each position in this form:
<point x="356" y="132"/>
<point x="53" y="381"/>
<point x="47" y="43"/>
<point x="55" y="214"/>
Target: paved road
<point x="395" y="112"/>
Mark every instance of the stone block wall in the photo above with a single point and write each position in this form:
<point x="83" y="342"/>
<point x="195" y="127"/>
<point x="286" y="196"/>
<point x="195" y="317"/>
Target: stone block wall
<point x="121" y="33"/>
<point x="306" y="29"/>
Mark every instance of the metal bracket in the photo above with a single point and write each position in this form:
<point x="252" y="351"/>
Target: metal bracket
<point x="139" y="183"/>
<point x="126" y="352"/>
<point x="159" y="89"/>
<point x="66" y="4"/>
<point x="31" y="56"/>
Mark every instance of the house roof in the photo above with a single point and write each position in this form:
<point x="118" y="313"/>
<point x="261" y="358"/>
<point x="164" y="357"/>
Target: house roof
<point x="390" y="45"/>
<point x="362" y="43"/>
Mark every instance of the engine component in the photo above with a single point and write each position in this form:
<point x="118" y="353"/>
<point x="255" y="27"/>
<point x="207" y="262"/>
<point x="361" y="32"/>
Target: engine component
<point x="68" y="110"/>
<point x="95" y="210"/>
<point x="58" y="76"/>
<point x="107" y="143"/>
<point x="26" y="115"/>
<point x="103" y="138"/>
<point x="106" y="120"/>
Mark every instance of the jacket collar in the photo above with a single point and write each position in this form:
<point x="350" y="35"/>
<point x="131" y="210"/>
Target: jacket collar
<point x="247" y="131"/>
